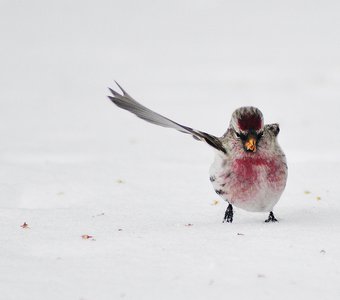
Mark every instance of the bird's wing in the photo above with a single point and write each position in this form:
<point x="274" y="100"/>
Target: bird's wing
<point x="125" y="101"/>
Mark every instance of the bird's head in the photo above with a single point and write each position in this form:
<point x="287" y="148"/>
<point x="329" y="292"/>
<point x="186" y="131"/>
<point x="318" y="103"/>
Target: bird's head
<point x="247" y="126"/>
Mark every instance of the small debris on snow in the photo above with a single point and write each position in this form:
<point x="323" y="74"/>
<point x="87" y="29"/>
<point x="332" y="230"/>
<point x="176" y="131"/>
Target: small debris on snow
<point x="99" y="215"/>
<point x="86" y="237"/>
<point x="120" y="229"/>
<point x="120" y="181"/>
<point x="211" y="282"/>
<point x="215" y="202"/>
<point x="25" y="226"/>
<point x="323" y="251"/>
<point x="60" y="194"/>
<point x="317" y="197"/>
<point x="261" y="276"/>
<point x="189" y="225"/>
<point x="240" y="233"/>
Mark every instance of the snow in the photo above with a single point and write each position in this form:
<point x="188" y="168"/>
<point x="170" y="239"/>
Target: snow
<point x="72" y="163"/>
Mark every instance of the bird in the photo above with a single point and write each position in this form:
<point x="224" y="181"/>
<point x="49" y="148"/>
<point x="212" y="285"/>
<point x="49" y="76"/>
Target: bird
<point x="250" y="168"/>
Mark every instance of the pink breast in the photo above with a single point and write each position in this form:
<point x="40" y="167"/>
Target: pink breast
<point x="249" y="168"/>
<point x="251" y="174"/>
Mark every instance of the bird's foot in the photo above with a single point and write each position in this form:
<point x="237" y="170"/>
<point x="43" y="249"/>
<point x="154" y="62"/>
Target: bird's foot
<point x="228" y="216"/>
<point x="271" y="218"/>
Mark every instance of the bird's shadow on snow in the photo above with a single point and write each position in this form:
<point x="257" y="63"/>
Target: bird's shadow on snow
<point x="297" y="217"/>
<point x="288" y="217"/>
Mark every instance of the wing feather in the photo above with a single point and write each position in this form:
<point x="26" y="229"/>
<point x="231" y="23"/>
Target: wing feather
<point x="125" y="101"/>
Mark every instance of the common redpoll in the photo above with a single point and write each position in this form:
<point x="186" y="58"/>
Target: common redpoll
<point x="249" y="170"/>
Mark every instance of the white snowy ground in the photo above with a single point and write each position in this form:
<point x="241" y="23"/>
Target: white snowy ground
<point x="73" y="164"/>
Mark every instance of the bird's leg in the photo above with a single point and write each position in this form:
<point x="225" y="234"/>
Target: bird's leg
<point x="271" y="218"/>
<point x="228" y="216"/>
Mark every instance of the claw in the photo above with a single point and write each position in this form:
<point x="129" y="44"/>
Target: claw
<point x="271" y="218"/>
<point x="228" y="216"/>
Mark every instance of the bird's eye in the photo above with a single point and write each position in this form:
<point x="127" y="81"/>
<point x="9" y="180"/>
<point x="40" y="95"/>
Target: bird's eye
<point x="260" y="135"/>
<point x="241" y="136"/>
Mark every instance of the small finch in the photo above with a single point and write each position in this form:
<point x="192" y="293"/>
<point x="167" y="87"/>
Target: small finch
<point x="249" y="170"/>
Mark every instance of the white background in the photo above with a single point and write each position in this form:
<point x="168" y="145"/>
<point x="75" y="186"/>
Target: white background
<point x="72" y="163"/>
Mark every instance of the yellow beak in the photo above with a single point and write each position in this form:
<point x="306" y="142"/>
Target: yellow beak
<point x="250" y="144"/>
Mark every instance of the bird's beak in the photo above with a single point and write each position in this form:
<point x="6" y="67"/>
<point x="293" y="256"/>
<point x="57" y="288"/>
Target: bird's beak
<point x="250" y="144"/>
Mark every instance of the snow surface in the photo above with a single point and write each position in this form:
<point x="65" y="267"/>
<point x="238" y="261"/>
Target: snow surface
<point x="73" y="164"/>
